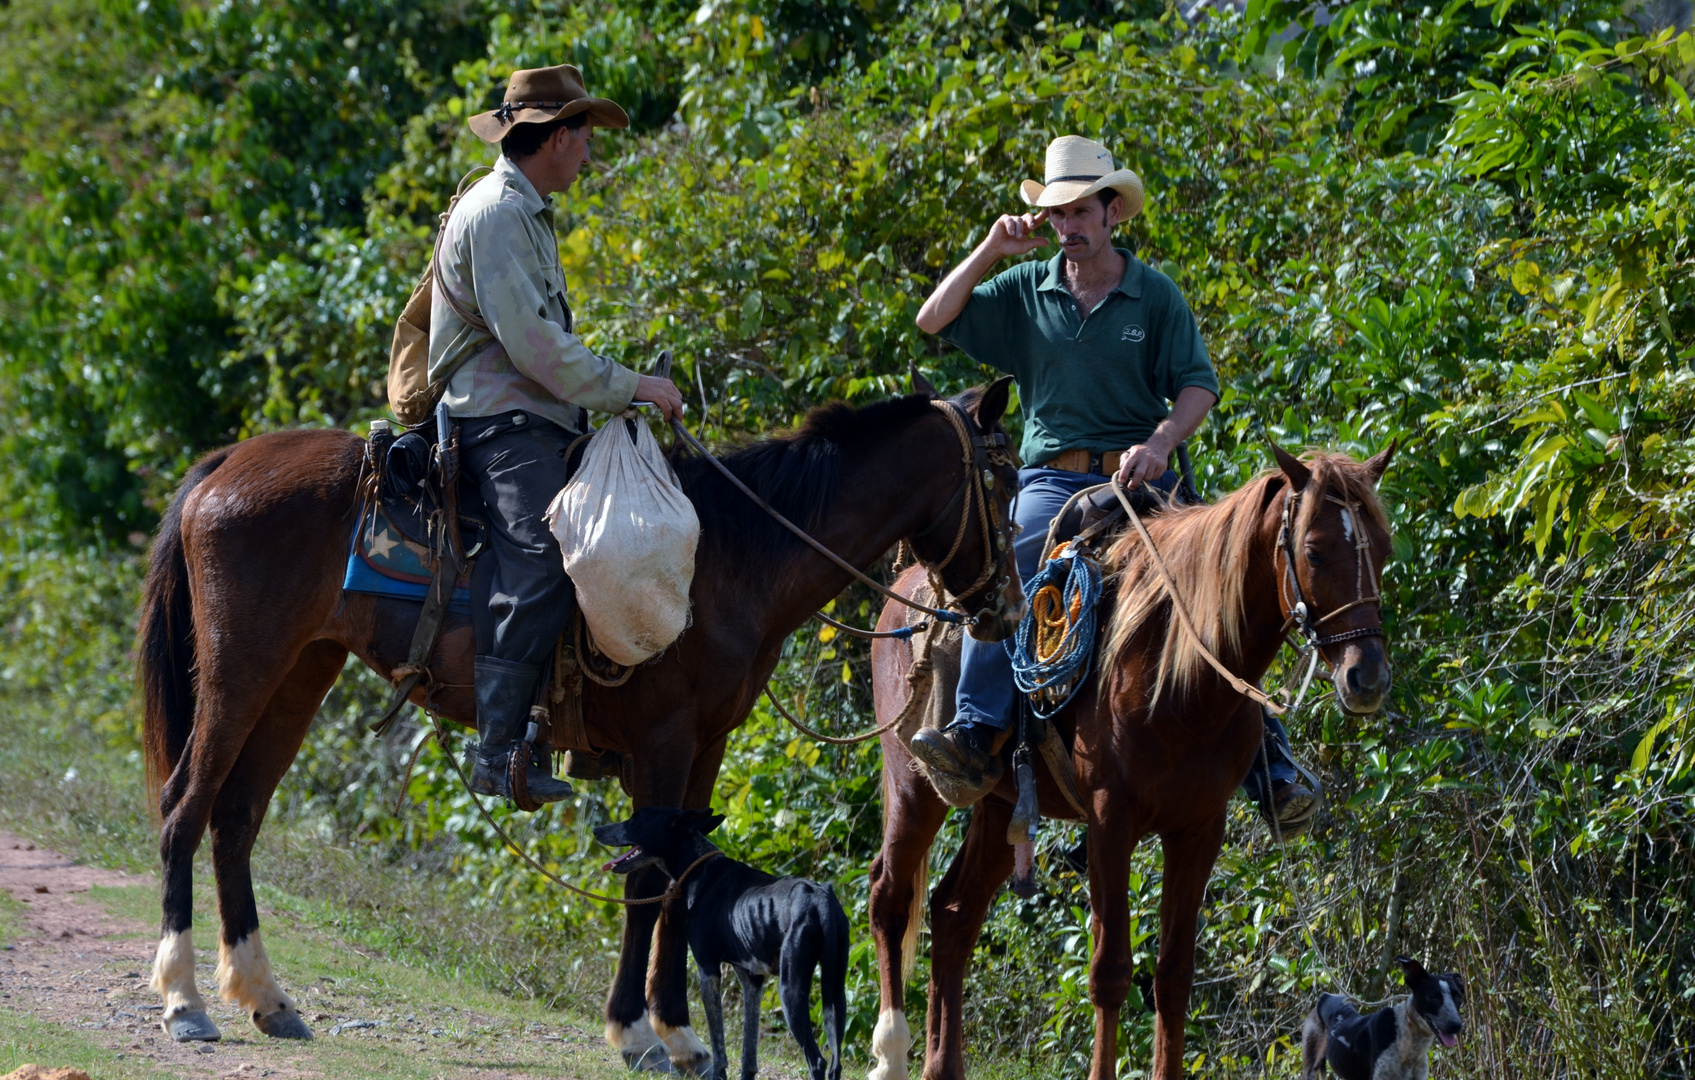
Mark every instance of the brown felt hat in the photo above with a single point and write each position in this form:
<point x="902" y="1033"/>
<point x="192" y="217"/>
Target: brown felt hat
<point x="537" y="95"/>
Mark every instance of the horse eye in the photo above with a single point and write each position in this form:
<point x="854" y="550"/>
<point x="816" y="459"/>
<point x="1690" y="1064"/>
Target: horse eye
<point x="1314" y="558"/>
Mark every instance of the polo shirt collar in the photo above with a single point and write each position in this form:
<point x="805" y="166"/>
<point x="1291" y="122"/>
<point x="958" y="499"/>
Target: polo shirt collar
<point x="510" y="175"/>
<point x="1130" y="285"/>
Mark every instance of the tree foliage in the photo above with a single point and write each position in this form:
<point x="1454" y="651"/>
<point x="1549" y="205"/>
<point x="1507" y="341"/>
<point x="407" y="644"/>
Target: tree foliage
<point x="1468" y="230"/>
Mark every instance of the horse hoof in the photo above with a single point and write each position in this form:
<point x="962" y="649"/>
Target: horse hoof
<point x="191" y="1026"/>
<point x="282" y="1024"/>
<point x="653" y="1059"/>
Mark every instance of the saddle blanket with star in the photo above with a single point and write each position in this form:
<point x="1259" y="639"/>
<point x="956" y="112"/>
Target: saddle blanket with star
<point x="383" y="561"/>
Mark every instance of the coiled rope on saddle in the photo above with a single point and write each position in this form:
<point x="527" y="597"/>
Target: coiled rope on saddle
<point x="1054" y="647"/>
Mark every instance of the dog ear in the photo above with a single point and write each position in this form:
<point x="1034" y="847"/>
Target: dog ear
<point x="1299" y="475"/>
<point x="1456" y="982"/>
<point x="1412" y="971"/>
<point x="701" y="821"/>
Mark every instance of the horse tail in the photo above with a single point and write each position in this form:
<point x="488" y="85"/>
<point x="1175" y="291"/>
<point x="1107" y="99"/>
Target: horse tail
<point x="164" y="646"/>
<point x="915" y="919"/>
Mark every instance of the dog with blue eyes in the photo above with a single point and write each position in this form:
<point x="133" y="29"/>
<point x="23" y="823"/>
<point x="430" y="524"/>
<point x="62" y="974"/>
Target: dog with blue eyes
<point x="1389" y="1044"/>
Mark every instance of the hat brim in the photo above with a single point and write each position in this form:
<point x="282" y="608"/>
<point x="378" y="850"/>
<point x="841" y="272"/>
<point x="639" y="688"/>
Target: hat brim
<point x="1123" y="181"/>
<point x="602" y="113"/>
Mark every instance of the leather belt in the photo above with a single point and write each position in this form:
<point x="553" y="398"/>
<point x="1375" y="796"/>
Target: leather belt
<point x="1079" y="460"/>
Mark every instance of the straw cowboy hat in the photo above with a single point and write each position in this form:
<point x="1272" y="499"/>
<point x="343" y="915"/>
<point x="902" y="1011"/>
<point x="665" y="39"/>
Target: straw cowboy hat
<point x="537" y="95"/>
<point x="1077" y="168"/>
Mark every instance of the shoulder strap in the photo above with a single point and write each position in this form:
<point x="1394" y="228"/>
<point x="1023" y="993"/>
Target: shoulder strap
<point x="469" y="317"/>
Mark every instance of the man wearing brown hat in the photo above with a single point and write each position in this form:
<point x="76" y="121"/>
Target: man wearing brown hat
<point x="1113" y="375"/>
<point x="519" y="388"/>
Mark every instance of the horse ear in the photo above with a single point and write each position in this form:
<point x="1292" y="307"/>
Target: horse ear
<point x="992" y="405"/>
<point x="1292" y="467"/>
<point x="1379" y="464"/>
<point x="920" y="385"/>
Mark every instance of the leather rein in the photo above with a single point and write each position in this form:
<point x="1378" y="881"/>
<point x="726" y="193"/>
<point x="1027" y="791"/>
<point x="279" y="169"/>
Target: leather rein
<point x="980" y="454"/>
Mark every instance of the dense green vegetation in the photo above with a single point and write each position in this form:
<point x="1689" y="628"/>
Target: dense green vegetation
<point x="1470" y="228"/>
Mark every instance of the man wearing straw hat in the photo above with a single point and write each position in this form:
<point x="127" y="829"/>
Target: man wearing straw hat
<point x="1100" y="343"/>
<point x="519" y="386"/>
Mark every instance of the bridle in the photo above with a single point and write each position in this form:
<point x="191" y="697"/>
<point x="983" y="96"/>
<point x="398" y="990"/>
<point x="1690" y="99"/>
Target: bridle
<point x="981" y="455"/>
<point x="1297" y="612"/>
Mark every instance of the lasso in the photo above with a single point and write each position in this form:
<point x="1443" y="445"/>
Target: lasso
<point x="1055" y="644"/>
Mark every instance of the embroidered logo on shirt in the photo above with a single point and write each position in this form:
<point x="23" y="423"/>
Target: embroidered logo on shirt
<point x="1133" y="333"/>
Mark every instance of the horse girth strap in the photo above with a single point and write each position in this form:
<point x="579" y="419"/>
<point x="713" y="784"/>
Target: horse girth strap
<point x="1237" y="683"/>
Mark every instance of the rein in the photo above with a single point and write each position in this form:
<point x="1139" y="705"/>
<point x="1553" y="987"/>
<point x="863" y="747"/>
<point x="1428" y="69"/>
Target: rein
<point x="979" y="453"/>
<point x="1297" y="614"/>
<point x="671" y="891"/>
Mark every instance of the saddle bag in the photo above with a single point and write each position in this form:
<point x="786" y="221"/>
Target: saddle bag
<point x="412" y="395"/>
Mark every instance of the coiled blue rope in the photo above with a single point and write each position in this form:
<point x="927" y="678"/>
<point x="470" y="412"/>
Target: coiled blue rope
<point x="1077" y="578"/>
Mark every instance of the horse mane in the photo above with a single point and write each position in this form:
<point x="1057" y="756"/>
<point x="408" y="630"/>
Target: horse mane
<point x="796" y="473"/>
<point x="1207" y="549"/>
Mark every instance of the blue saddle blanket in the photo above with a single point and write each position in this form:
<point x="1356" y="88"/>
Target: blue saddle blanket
<point x="383" y="561"/>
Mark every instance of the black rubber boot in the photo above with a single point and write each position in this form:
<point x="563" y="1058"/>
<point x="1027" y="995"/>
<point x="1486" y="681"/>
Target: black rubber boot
<point x="505" y="692"/>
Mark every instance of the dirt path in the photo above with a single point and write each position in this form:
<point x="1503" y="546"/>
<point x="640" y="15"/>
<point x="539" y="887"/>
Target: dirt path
<point x="76" y="964"/>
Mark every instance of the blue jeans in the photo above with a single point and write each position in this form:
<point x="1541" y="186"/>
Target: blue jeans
<point x="986" y="694"/>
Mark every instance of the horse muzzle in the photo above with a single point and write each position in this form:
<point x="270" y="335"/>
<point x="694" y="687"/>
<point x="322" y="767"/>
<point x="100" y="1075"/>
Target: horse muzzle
<point x="1363" y="677"/>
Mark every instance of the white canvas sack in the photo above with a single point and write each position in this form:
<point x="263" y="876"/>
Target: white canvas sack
<point x="628" y="534"/>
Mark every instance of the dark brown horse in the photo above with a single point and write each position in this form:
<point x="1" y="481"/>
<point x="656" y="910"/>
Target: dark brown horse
<point x="1161" y="742"/>
<point x="245" y="627"/>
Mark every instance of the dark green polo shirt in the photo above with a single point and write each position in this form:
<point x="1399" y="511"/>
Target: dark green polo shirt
<point x="1100" y="383"/>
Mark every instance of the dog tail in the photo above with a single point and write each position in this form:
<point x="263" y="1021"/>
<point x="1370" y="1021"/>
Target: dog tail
<point x="915" y="919"/>
<point x="833" y="969"/>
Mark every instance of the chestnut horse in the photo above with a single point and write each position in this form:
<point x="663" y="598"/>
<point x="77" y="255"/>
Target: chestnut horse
<point x="245" y="627"/>
<point x="1160" y="741"/>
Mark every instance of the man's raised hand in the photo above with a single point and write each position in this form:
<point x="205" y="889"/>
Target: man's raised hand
<point x="1015" y="234"/>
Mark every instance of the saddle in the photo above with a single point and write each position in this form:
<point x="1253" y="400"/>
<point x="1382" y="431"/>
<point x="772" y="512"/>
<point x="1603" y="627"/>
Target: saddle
<point x="413" y="486"/>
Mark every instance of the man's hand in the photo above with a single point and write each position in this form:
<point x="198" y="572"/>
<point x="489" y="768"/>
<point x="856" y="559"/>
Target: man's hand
<point x="1143" y="464"/>
<point x="1014" y="234"/>
<point x="663" y="393"/>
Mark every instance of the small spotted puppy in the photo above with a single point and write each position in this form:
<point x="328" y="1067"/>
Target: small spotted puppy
<point x="1389" y="1044"/>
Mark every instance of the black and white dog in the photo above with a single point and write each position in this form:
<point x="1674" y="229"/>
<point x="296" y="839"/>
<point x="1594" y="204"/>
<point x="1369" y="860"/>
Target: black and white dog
<point x="758" y="924"/>
<point x="1389" y="1044"/>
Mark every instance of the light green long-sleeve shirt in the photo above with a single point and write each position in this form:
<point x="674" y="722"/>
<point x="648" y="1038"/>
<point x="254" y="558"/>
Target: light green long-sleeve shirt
<point x="500" y="257"/>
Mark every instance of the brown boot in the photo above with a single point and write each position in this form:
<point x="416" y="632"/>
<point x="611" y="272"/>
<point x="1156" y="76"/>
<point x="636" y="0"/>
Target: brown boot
<point x="961" y="761"/>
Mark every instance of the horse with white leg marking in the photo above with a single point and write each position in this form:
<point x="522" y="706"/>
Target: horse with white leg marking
<point x="245" y="627"/>
<point x="1161" y="740"/>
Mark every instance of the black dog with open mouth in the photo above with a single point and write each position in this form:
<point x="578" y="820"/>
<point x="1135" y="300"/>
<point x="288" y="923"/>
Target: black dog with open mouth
<point x="758" y="924"/>
<point x="1389" y="1044"/>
